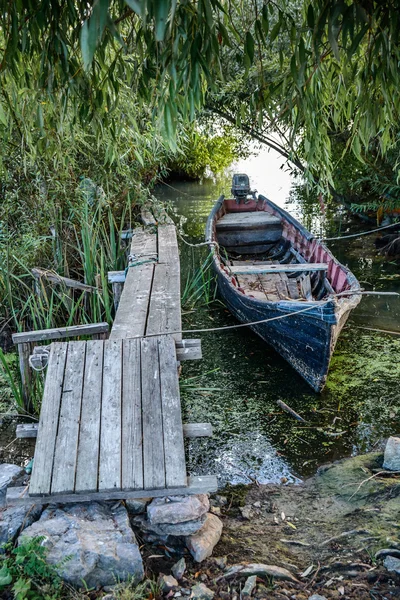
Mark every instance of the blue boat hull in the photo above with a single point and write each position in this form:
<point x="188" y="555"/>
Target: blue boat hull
<point x="304" y="333"/>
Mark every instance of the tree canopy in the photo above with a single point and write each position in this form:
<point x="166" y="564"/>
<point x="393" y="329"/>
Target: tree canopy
<point x="308" y="71"/>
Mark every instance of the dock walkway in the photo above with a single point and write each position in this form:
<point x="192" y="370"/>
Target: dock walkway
<point x="110" y="424"/>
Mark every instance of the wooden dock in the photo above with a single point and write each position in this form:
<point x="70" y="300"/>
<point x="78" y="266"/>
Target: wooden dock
<point x="110" y="424"/>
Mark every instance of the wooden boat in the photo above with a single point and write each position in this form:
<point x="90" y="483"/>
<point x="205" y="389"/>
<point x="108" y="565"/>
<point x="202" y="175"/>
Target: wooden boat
<point x="269" y="266"/>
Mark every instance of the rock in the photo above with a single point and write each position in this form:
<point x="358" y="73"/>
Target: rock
<point x="246" y="512"/>
<point x="392" y="454"/>
<point x="221" y="561"/>
<point x="215" y="510"/>
<point x="392" y="564"/>
<point x="8" y="474"/>
<point x="201" y="544"/>
<point x="164" y="529"/>
<point x="257" y="504"/>
<point x="14" y="519"/>
<point x="249" y="586"/>
<point x="387" y="552"/>
<point x="201" y="592"/>
<point x="167" y="583"/>
<point x="258" y="569"/>
<point x="177" y="509"/>
<point x="218" y="500"/>
<point x="99" y="543"/>
<point x="317" y="597"/>
<point x="179" y="569"/>
<point x="137" y="506"/>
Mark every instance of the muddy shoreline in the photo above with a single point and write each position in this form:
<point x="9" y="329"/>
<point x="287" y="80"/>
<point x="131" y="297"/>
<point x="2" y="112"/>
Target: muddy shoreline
<point x="327" y="529"/>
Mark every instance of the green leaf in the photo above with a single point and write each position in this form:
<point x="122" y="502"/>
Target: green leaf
<point x="249" y="46"/>
<point x="310" y="17"/>
<point x="161" y="10"/>
<point x="5" y="576"/>
<point x="3" y="116"/>
<point x="87" y="52"/>
<point x="137" y="6"/>
<point x="275" y="30"/>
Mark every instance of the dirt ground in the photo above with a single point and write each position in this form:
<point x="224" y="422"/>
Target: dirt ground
<point x="325" y="532"/>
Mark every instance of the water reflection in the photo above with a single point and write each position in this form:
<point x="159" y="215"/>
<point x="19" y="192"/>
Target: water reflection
<point x="237" y="383"/>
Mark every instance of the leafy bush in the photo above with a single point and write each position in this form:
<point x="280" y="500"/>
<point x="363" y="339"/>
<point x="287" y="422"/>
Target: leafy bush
<point x="26" y="574"/>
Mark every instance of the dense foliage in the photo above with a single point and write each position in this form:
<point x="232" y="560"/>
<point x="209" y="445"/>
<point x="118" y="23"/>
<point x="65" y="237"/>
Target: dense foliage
<point x="308" y="70"/>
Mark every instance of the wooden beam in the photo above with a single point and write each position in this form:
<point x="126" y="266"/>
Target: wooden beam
<point x="193" y="430"/>
<point x="26" y="430"/>
<point x="188" y="350"/>
<point x="116" y="276"/>
<point x="60" y="332"/>
<point x="195" y="485"/>
<point x="290" y="268"/>
<point x="190" y="430"/>
<point x="53" y="277"/>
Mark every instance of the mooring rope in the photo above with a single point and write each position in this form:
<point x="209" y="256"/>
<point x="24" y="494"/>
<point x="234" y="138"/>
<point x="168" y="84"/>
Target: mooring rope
<point x="353" y="235"/>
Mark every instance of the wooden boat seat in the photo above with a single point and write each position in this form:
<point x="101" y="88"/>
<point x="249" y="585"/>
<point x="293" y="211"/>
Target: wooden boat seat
<point x="256" y="231"/>
<point x="247" y="220"/>
<point x="289" y="268"/>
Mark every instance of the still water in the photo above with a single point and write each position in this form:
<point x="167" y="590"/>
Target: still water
<point x="239" y="380"/>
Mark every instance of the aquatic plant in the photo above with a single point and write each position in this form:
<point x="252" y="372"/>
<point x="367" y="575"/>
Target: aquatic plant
<point x="199" y="288"/>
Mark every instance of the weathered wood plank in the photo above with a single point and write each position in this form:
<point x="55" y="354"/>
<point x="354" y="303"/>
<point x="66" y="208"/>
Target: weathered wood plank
<point x="116" y="276"/>
<point x="195" y="485"/>
<point x="26" y="430"/>
<point x="111" y="417"/>
<point x="44" y="451"/>
<point x="248" y="220"/>
<point x="153" y="443"/>
<point x="174" y="450"/>
<point x="168" y="251"/>
<point x="144" y="244"/>
<point x="59" y="333"/>
<point x="24" y="351"/>
<point x="165" y="302"/>
<point x="89" y="435"/>
<point x="147" y="217"/>
<point x="132" y="434"/>
<point x="194" y="430"/>
<point x="66" y="449"/>
<point x="191" y="353"/>
<point x="130" y="320"/>
<point x="291" y="268"/>
<point x="53" y="277"/>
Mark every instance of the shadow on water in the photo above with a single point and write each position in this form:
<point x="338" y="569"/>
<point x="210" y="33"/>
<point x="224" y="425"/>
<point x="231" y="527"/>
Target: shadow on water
<point x="239" y="380"/>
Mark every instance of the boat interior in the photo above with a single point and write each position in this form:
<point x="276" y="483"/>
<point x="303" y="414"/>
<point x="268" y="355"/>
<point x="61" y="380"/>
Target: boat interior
<point x="263" y="262"/>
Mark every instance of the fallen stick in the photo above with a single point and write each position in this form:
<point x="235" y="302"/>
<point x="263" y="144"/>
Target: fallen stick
<point x="290" y="411"/>
<point x="345" y="534"/>
<point x="372" y="477"/>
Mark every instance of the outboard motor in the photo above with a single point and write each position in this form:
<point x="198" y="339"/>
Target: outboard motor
<point x="241" y="187"/>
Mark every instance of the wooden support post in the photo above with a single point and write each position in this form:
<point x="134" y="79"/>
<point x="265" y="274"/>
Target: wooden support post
<point x="24" y="352"/>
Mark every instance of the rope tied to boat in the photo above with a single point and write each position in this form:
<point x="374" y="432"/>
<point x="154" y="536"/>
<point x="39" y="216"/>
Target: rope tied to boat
<point x="355" y="235"/>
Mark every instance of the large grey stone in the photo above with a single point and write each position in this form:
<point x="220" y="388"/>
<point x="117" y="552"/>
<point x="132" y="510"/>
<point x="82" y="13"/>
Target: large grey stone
<point x="98" y="542"/>
<point x="177" y="509"/>
<point x="8" y="474"/>
<point x="392" y="564"/>
<point x="13" y="519"/>
<point x="163" y="529"/>
<point x="392" y="454"/>
<point x="201" y="544"/>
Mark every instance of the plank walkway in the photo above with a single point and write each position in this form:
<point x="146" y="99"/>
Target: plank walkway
<point x="110" y="424"/>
